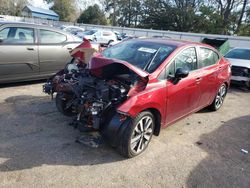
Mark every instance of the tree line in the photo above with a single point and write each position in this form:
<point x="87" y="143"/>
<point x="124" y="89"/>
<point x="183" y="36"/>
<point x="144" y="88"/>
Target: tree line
<point x="230" y="17"/>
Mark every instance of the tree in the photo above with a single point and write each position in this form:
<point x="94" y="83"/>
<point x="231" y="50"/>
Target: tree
<point x="65" y="9"/>
<point x="178" y="15"/>
<point x="12" y="7"/>
<point x="93" y="15"/>
<point x="242" y="12"/>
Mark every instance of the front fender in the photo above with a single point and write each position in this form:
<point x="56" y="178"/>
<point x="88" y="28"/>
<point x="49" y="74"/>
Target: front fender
<point x="154" y="98"/>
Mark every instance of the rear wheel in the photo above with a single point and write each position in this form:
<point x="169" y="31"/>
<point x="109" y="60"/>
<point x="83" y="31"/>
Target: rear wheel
<point x="61" y="104"/>
<point x="137" y="135"/>
<point x="219" y="98"/>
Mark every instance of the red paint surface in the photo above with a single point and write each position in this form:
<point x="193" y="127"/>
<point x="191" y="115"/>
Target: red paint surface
<point x="174" y="101"/>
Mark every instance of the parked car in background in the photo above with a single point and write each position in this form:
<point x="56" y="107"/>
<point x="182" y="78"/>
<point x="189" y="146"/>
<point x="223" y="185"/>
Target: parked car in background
<point x="120" y="36"/>
<point x="30" y="51"/>
<point x="99" y="36"/>
<point x="240" y="61"/>
<point x="133" y="89"/>
<point x="72" y="29"/>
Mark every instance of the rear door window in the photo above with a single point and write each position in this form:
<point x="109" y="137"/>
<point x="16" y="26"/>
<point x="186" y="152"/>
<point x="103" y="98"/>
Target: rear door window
<point x="207" y="57"/>
<point x="17" y="35"/>
<point x="51" y="37"/>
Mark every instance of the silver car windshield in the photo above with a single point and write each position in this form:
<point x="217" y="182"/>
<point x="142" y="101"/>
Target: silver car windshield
<point x="239" y="54"/>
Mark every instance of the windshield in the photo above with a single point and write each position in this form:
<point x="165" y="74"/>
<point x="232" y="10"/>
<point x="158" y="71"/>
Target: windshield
<point x="91" y="32"/>
<point x="239" y="54"/>
<point x="142" y="54"/>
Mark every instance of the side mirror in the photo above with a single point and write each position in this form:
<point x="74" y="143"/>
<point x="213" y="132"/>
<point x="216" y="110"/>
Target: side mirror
<point x="1" y="40"/>
<point x="179" y="74"/>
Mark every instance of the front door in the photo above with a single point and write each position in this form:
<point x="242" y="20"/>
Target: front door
<point x="182" y="97"/>
<point x="18" y="53"/>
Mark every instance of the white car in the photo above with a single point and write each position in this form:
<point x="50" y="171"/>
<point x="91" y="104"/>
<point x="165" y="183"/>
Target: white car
<point x="72" y="29"/>
<point x="240" y="61"/>
<point x="99" y="36"/>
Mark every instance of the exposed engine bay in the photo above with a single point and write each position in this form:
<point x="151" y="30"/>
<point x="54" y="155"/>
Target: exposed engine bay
<point x="91" y="95"/>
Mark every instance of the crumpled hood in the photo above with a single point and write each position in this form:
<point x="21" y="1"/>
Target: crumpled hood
<point x="100" y="61"/>
<point x="239" y="62"/>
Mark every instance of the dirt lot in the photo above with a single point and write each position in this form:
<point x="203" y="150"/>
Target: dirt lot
<point x="38" y="148"/>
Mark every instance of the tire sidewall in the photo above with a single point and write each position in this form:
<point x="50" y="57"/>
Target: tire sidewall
<point x="131" y="129"/>
<point x="61" y="104"/>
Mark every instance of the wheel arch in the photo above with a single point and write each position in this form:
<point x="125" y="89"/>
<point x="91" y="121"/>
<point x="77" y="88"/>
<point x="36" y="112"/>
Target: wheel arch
<point x="157" y="116"/>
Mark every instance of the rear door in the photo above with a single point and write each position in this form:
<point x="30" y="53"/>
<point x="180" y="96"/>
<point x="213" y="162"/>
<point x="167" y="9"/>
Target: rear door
<point x="18" y="53"/>
<point x="183" y="97"/>
<point x="210" y="68"/>
<point x="54" y="51"/>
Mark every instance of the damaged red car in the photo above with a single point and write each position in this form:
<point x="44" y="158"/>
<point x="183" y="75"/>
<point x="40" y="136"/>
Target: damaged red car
<point x="133" y="89"/>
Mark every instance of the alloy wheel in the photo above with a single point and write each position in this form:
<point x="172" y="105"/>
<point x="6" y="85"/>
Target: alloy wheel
<point x="220" y="96"/>
<point x="141" y="134"/>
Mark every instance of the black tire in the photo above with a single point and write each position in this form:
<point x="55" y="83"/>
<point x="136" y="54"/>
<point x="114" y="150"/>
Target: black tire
<point x="125" y="147"/>
<point x="219" y="98"/>
<point x="61" y="105"/>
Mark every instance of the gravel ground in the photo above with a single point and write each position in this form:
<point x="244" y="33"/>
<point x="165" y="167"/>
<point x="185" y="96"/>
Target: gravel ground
<point x="38" y="148"/>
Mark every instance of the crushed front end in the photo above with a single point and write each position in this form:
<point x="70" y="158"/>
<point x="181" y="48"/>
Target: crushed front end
<point x="92" y="94"/>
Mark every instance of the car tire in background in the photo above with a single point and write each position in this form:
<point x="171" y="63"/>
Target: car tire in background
<point x="137" y="135"/>
<point x="61" y="103"/>
<point x="219" y="98"/>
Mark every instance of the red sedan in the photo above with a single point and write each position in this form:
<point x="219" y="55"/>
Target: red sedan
<point x="143" y="85"/>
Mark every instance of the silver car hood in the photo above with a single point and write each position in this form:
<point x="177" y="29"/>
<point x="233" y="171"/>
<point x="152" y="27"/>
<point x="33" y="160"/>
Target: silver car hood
<point x="239" y="62"/>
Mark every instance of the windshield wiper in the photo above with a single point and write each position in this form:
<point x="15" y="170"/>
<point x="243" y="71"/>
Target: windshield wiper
<point x="152" y="59"/>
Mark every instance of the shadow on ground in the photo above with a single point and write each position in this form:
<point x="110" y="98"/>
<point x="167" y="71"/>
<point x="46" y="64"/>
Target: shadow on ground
<point x="226" y="165"/>
<point x="34" y="133"/>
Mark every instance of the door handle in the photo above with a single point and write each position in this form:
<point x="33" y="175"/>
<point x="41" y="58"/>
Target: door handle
<point x="198" y="80"/>
<point x="30" y="48"/>
<point x="69" y="49"/>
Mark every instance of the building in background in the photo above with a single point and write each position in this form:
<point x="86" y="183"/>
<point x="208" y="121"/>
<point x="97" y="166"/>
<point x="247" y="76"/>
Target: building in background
<point x="35" y="12"/>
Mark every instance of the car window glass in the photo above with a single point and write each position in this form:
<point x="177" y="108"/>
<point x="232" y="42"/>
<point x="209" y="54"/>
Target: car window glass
<point x="160" y="56"/>
<point x="170" y="71"/>
<point x="208" y="57"/>
<point x="187" y="59"/>
<point x="4" y="33"/>
<point x="16" y="35"/>
<point x="239" y="53"/>
<point x="140" y="53"/>
<point x="51" y="37"/>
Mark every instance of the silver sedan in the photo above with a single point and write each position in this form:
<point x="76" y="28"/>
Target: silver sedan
<point x="30" y="51"/>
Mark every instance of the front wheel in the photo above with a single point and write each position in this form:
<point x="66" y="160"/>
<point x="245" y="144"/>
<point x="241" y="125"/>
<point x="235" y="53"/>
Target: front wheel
<point x="61" y="104"/>
<point x="137" y="135"/>
<point x="219" y="98"/>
